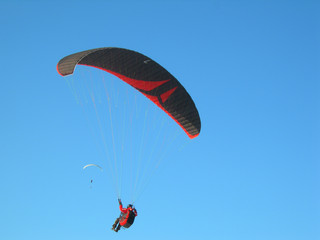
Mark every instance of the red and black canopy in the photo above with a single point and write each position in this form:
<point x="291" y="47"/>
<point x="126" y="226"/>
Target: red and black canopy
<point x="146" y="76"/>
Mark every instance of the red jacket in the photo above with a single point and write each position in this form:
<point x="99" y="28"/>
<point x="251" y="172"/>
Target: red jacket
<point x="127" y="210"/>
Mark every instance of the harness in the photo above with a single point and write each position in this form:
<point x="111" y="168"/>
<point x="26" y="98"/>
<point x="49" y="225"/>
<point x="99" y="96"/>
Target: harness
<point x="127" y="219"/>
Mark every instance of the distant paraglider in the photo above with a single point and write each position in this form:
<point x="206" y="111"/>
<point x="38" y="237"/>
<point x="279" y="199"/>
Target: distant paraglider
<point x="92" y="165"/>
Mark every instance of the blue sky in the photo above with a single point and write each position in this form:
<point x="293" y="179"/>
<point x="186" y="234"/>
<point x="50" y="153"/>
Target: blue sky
<point x="252" y="68"/>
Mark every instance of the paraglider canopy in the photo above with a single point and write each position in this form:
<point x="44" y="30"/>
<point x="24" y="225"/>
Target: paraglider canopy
<point x="92" y="165"/>
<point x="144" y="74"/>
